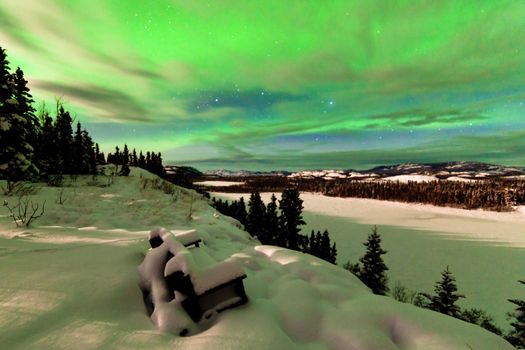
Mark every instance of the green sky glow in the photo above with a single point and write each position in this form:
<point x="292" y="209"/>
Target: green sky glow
<point x="288" y="84"/>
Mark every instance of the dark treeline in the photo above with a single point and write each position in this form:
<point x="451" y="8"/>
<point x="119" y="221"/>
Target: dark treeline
<point x="498" y="195"/>
<point x="151" y="162"/>
<point x="278" y="224"/>
<point x="41" y="146"/>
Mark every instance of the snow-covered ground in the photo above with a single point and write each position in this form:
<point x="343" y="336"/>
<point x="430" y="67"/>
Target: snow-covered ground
<point x="71" y="281"/>
<point x="485" y="250"/>
<point x="413" y="178"/>
<point x="212" y="183"/>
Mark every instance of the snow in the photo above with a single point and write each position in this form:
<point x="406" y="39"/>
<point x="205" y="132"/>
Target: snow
<point x="460" y="179"/>
<point x="63" y="287"/>
<point x="407" y="178"/>
<point x="216" y="275"/>
<point x="187" y="237"/>
<point x="218" y="183"/>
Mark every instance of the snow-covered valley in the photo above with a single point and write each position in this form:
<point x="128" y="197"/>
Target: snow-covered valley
<point x="70" y="281"/>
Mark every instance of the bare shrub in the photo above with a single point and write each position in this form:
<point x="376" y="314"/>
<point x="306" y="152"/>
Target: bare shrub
<point x="25" y="211"/>
<point x="403" y="294"/>
<point x="61" y="197"/>
<point x="19" y="188"/>
<point x="55" y="180"/>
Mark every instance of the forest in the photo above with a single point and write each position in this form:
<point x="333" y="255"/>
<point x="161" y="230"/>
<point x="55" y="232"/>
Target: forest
<point x="493" y="194"/>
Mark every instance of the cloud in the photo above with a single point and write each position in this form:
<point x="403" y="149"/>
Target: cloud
<point x="113" y="103"/>
<point x="503" y="148"/>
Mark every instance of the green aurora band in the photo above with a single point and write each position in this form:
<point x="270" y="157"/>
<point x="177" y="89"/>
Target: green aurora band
<point x="282" y="84"/>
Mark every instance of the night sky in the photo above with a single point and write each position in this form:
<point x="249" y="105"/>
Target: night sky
<point x="282" y="84"/>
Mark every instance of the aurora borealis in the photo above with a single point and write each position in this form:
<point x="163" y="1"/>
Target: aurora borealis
<point x="282" y="84"/>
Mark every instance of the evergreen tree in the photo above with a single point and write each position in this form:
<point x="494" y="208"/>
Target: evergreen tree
<point x="100" y="157"/>
<point x="125" y="162"/>
<point x="64" y="140"/>
<point x="26" y="110"/>
<point x="325" y="246"/>
<point x="517" y="335"/>
<point x="312" y="248"/>
<point x="148" y="161"/>
<point x="78" y="150"/>
<point x="134" y="159"/>
<point x="117" y="157"/>
<point x="444" y="301"/>
<point x="47" y="151"/>
<point x="255" y="218"/>
<point x="18" y="126"/>
<point x="6" y="111"/>
<point x="240" y="211"/>
<point x="333" y="254"/>
<point x="291" y="207"/>
<point x="271" y="222"/>
<point x="88" y="151"/>
<point x="142" y="161"/>
<point x="373" y="269"/>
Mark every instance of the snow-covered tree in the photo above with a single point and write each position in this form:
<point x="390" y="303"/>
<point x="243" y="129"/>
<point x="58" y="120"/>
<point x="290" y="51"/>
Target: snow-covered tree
<point x="18" y="125"/>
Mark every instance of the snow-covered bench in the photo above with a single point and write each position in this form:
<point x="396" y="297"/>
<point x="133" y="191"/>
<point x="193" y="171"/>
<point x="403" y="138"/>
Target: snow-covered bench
<point x="205" y="291"/>
<point x="170" y="274"/>
<point x="187" y="238"/>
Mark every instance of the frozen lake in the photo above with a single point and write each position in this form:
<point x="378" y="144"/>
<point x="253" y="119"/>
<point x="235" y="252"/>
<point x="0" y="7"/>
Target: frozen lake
<point x="484" y="250"/>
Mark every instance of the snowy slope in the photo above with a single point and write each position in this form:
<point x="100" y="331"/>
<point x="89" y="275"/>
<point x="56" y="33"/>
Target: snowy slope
<point x="71" y="281"/>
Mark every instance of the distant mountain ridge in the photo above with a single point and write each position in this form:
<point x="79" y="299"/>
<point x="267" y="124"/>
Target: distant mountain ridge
<point x="225" y="173"/>
<point x="475" y="170"/>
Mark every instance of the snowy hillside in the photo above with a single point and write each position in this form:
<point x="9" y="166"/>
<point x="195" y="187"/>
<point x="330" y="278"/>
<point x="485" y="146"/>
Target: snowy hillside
<point x="71" y="282"/>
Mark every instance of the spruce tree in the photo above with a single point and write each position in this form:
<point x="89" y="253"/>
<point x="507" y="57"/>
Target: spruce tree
<point x="90" y="158"/>
<point x="291" y="207"/>
<point x="78" y="149"/>
<point x="125" y="162"/>
<point x="372" y="273"/>
<point x="444" y="301"/>
<point x="325" y="246"/>
<point x="17" y="125"/>
<point x="142" y="161"/>
<point x="271" y="222"/>
<point x="134" y="159"/>
<point x="255" y="218"/>
<point x="240" y="211"/>
<point x="47" y="150"/>
<point x="64" y="134"/>
<point x="6" y="110"/>
<point x="26" y="110"/>
<point x="517" y="335"/>
<point x="312" y="248"/>
<point x="333" y="254"/>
